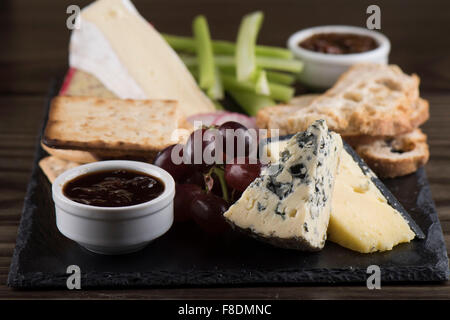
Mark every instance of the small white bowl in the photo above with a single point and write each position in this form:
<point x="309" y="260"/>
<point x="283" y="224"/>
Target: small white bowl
<point x="116" y="230"/>
<point x="321" y="70"/>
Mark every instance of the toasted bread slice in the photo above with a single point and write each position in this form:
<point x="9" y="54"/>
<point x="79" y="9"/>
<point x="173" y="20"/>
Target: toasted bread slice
<point x="368" y="99"/>
<point x="275" y="117"/>
<point x="53" y="167"/>
<point x="419" y="115"/>
<point x="396" y="156"/>
<point x="109" y="127"/>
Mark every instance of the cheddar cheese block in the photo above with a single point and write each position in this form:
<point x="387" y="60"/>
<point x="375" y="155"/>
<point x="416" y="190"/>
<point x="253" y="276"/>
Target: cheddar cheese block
<point x="365" y="216"/>
<point x="289" y="204"/>
<point x="114" y="128"/>
<point x="131" y="59"/>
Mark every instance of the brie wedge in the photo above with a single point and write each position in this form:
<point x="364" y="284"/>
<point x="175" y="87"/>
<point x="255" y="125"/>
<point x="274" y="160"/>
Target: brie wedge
<point x="120" y="48"/>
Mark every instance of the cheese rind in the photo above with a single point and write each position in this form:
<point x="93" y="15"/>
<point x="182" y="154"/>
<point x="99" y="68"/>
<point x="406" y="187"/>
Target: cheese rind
<point x="289" y="204"/>
<point x="121" y="49"/>
<point x="361" y="217"/>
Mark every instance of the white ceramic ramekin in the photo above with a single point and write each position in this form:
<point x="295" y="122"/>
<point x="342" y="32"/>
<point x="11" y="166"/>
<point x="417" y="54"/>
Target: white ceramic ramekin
<point x="321" y="70"/>
<point x="115" y="230"/>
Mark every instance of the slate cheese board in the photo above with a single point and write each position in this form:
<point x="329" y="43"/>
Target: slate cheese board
<point x="185" y="256"/>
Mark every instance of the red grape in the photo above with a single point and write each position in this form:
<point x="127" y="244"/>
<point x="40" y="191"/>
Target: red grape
<point x="207" y="211"/>
<point x="195" y="177"/>
<point x="184" y="194"/>
<point x="197" y="143"/>
<point x="239" y="176"/>
<point x="217" y="188"/>
<point x="241" y="136"/>
<point x="164" y="160"/>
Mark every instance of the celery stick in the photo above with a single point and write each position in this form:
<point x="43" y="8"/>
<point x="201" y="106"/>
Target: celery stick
<point x="280" y="77"/>
<point x="281" y="92"/>
<point x="251" y="102"/>
<point x="225" y="61"/>
<point x="205" y="55"/>
<point x="230" y="83"/>
<point x="277" y="91"/>
<point x="274" y="52"/>
<point x="189" y="61"/>
<point x="187" y="44"/>
<point x="180" y="43"/>
<point x="292" y="65"/>
<point x="216" y="91"/>
<point x="245" y="45"/>
<point x="193" y="70"/>
<point x="262" y="85"/>
<point x="272" y="76"/>
<point x="230" y="70"/>
<point x="224" y="47"/>
<point x="221" y="61"/>
<point x="218" y="105"/>
<point x="228" y="47"/>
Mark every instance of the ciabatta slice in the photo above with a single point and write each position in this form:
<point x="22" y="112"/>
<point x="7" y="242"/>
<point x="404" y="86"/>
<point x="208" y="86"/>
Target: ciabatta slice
<point x="396" y="156"/>
<point x="368" y="99"/>
<point x="275" y="117"/>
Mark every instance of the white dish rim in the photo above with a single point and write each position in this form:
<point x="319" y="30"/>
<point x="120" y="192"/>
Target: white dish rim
<point x="293" y="41"/>
<point x="113" y="213"/>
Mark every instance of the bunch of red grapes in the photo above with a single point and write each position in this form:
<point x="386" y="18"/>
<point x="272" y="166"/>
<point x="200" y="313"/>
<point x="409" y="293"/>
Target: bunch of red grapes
<point x="204" y="191"/>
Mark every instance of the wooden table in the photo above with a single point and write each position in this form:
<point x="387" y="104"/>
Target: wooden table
<point x="34" y="43"/>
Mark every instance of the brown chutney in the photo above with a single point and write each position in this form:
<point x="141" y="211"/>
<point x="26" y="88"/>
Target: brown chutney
<point x="339" y="43"/>
<point x="113" y="188"/>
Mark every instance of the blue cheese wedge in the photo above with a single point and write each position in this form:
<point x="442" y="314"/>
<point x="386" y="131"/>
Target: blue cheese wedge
<point x="365" y="216"/>
<point x="289" y="204"/>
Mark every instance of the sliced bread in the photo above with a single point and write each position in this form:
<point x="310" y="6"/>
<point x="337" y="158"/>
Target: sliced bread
<point x="395" y="156"/>
<point x="368" y="99"/>
<point x="419" y="115"/>
<point x="275" y="117"/>
<point x="110" y="127"/>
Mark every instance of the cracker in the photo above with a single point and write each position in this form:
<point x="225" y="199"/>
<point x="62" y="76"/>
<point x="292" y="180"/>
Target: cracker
<point x="71" y="155"/>
<point x="53" y="167"/>
<point x="113" y="127"/>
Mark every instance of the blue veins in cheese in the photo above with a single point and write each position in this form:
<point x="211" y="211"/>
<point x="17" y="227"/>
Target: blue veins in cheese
<point x="125" y="52"/>
<point x="361" y="217"/>
<point x="289" y="204"/>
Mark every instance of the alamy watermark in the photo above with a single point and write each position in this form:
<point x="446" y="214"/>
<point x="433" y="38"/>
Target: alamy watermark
<point x="374" y="20"/>
<point x="374" y="280"/>
<point x="74" y="280"/>
<point x="73" y="21"/>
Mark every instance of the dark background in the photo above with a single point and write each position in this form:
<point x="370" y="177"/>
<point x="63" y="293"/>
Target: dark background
<point x="33" y="50"/>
